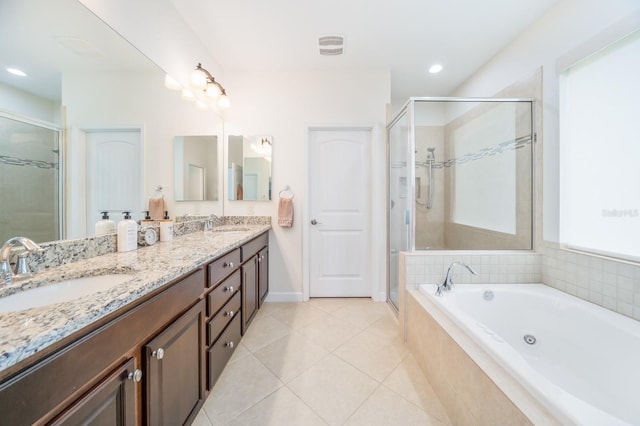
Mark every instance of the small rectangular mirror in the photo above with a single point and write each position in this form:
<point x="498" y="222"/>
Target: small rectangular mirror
<point x="249" y="168"/>
<point x="196" y="168"/>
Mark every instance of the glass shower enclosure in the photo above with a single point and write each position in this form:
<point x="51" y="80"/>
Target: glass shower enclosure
<point x="460" y="177"/>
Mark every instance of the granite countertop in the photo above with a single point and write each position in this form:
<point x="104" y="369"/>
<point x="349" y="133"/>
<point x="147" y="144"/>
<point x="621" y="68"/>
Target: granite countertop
<point x="24" y="333"/>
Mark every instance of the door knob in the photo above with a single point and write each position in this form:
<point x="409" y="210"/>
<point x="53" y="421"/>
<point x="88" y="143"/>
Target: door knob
<point x="315" y="222"/>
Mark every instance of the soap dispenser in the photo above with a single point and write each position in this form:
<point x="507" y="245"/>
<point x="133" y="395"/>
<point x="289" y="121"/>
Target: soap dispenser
<point x="105" y="225"/>
<point x="166" y="228"/>
<point x="127" y="233"/>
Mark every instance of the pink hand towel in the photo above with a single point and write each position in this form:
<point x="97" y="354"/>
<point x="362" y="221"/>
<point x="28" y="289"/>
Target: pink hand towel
<point x="156" y="208"/>
<point x="285" y="212"/>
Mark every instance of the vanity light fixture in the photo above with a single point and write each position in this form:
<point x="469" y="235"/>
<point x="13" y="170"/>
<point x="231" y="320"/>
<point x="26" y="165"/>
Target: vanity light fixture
<point x="171" y="83"/>
<point x="205" y="83"/>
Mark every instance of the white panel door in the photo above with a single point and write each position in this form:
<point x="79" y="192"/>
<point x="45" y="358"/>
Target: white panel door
<point x="114" y="177"/>
<point x="340" y="194"/>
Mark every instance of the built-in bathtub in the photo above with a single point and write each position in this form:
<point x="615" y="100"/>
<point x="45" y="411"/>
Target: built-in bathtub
<point x="570" y="361"/>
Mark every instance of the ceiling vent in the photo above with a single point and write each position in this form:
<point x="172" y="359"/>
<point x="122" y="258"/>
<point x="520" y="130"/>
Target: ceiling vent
<point x="331" y="45"/>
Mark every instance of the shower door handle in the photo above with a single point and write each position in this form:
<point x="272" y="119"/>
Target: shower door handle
<point x="315" y="222"/>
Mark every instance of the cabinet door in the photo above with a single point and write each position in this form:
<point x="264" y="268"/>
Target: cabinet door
<point x="174" y="370"/>
<point x="111" y="402"/>
<point x="263" y="274"/>
<point x="249" y="292"/>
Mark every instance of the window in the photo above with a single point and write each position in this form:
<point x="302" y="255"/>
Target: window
<point x="600" y="151"/>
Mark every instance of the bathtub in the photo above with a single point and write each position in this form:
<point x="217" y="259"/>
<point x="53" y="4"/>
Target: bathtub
<point x="578" y="360"/>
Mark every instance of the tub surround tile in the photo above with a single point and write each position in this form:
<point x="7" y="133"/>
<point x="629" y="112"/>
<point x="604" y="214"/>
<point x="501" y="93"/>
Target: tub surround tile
<point x="151" y="267"/>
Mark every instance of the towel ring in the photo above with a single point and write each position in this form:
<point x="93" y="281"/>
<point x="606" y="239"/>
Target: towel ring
<point x="285" y="190"/>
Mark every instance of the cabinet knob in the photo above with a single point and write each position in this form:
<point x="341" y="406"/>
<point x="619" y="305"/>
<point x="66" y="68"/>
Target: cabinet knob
<point x="229" y="264"/>
<point x="229" y="344"/>
<point x="136" y="375"/>
<point x="262" y="257"/>
<point x="230" y="313"/>
<point x="230" y="289"/>
<point x="158" y="353"/>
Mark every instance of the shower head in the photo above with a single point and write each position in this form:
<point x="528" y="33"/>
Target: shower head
<point x="430" y="154"/>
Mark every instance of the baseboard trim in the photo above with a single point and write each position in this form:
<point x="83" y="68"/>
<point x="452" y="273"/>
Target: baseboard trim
<point x="284" y="297"/>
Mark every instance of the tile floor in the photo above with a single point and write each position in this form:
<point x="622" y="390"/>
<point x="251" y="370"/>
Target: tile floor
<point x="324" y="362"/>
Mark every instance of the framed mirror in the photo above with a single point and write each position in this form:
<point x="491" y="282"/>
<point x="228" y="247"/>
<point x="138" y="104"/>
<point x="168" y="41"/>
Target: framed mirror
<point x="249" y="168"/>
<point x="195" y="168"/>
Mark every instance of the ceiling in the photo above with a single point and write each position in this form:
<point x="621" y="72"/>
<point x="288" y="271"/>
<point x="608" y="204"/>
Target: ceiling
<point x="34" y="33"/>
<point x="403" y="36"/>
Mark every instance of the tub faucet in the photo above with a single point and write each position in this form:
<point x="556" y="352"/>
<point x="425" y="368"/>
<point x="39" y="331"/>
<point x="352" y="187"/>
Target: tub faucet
<point x="447" y="285"/>
<point x="22" y="270"/>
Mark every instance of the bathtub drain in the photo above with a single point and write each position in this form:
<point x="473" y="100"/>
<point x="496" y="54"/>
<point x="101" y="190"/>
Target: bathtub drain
<point x="487" y="295"/>
<point x="529" y="339"/>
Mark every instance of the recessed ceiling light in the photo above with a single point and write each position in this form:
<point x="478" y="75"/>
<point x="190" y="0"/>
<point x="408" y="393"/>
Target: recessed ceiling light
<point x="436" y="68"/>
<point x="16" y="71"/>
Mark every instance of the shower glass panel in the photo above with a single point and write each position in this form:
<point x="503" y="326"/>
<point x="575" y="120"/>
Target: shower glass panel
<point x="30" y="180"/>
<point x="399" y="205"/>
<point x="460" y="177"/>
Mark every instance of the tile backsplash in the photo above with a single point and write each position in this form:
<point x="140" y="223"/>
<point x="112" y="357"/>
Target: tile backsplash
<point x="607" y="282"/>
<point x="610" y="283"/>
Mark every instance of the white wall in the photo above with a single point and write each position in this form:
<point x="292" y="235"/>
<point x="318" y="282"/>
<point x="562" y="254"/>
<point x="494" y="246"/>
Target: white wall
<point x="565" y="28"/>
<point x="22" y="103"/>
<point x="283" y="104"/>
<point x="139" y="100"/>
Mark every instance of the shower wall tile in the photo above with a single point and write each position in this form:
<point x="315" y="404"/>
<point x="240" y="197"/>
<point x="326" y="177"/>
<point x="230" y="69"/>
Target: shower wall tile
<point x="612" y="284"/>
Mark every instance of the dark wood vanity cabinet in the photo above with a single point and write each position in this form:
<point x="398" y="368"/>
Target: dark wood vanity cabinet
<point x="152" y="363"/>
<point x="174" y="370"/>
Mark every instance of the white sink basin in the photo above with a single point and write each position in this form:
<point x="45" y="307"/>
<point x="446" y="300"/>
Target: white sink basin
<point x="62" y="291"/>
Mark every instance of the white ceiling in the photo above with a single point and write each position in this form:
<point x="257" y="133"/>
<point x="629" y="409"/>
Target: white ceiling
<point x="30" y="41"/>
<point x="403" y="36"/>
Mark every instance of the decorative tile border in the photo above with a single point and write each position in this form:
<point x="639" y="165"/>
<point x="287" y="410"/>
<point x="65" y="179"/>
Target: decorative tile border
<point x="13" y="161"/>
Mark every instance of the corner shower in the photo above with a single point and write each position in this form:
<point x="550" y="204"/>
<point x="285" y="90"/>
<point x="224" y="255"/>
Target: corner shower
<point x="459" y="177"/>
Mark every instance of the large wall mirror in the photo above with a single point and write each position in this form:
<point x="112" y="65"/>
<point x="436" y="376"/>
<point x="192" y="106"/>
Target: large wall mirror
<point x="249" y="168"/>
<point x="83" y="80"/>
<point x="195" y="168"/>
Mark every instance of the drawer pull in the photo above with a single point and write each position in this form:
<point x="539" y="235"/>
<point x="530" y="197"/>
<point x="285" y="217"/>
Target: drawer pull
<point x="158" y="354"/>
<point x="230" y="289"/>
<point x="136" y="376"/>
<point x="229" y="344"/>
<point x="229" y="314"/>
<point x="230" y="265"/>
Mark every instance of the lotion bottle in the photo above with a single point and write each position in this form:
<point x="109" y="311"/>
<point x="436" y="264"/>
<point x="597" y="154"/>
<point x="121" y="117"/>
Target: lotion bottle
<point x="166" y="228"/>
<point x="127" y="233"/>
<point x="105" y="225"/>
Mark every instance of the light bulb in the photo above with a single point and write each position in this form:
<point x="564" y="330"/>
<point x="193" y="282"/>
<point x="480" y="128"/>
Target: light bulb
<point x="188" y="95"/>
<point x="213" y="91"/>
<point x="201" y="104"/>
<point x="171" y="83"/>
<point x="199" y="79"/>
<point x="223" y="102"/>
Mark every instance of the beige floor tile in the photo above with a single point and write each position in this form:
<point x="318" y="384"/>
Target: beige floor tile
<point x="408" y="381"/>
<point x="242" y="384"/>
<point x="269" y="308"/>
<point x="386" y="327"/>
<point x="290" y="356"/>
<point x="386" y="408"/>
<point x="333" y="389"/>
<point x="280" y="408"/>
<point x="361" y="313"/>
<point x="263" y="331"/>
<point x="330" y="304"/>
<point x="240" y="352"/>
<point x="329" y="333"/>
<point x="300" y="315"/>
<point x="372" y="355"/>
<point x="201" y="419"/>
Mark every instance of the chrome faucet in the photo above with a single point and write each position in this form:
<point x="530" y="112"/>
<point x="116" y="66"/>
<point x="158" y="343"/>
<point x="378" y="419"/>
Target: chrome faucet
<point x="209" y="223"/>
<point x="447" y="285"/>
<point x="22" y="269"/>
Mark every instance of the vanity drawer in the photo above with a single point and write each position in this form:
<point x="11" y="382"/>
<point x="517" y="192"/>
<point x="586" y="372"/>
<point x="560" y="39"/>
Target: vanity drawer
<point x="222" y="267"/>
<point x="254" y="246"/>
<point x="222" y="293"/>
<point x="224" y="317"/>
<point x="221" y="351"/>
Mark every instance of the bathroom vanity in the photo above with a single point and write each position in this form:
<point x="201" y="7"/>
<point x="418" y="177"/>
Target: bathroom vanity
<point x="146" y="352"/>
